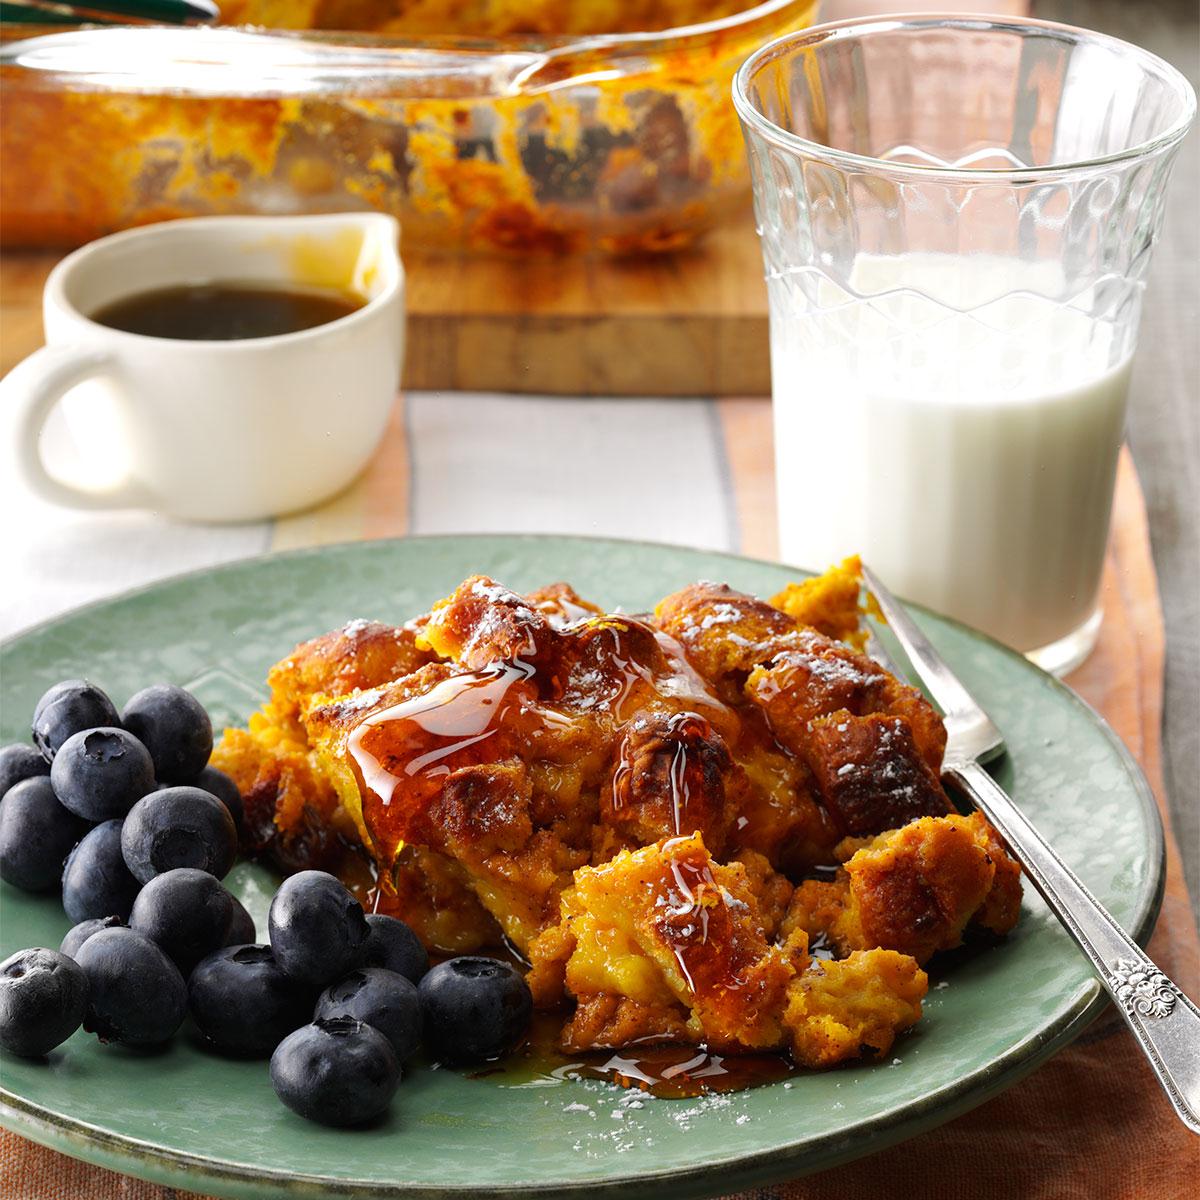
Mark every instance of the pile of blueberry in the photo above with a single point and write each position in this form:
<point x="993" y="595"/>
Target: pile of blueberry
<point x="124" y="814"/>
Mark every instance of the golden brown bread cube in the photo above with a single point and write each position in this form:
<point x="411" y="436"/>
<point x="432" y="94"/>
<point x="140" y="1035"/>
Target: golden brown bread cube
<point x="914" y="890"/>
<point x="814" y="676"/>
<point x="869" y="772"/>
<point x="725" y="633"/>
<point x="482" y="816"/>
<point x="561" y="604"/>
<point x="828" y="603"/>
<point x="670" y="779"/>
<point x="362" y="654"/>
<point x="482" y="622"/>
<point x="873" y="745"/>
<point x="839" y="1010"/>
<point x="293" y="810"/>
<point x="671" y="929"/>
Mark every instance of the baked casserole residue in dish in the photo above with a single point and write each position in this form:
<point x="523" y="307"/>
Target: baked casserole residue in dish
<point x="485" y="125"/>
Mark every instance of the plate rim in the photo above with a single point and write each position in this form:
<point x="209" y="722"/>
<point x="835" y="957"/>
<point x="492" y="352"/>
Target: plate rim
<point x="149" y="1160"/>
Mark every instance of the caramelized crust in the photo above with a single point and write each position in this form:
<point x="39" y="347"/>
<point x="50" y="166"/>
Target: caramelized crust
<point x="869" y="773"/>
<point x="842" y="1010"/>
<point x="725" y="633"/>
<point x="562" y="605"/>
<point x="914" y="890"/>
<point x="481" y="623"/>
<point x="872" y="744"/>
<point x="362" y="654"/>
<point x="814" y="676"/>
<point x="670" y="779"/>
<point x="484" y="808"/>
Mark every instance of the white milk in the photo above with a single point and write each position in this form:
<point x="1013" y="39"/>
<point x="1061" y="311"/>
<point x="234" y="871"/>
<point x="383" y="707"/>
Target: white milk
<point x="968" y="456"/>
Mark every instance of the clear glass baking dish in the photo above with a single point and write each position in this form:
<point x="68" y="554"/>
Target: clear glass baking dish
<point x="610" y="143"/>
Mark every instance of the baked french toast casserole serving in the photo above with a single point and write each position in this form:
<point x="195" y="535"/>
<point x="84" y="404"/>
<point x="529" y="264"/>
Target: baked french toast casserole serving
<point x="718" y="825"/>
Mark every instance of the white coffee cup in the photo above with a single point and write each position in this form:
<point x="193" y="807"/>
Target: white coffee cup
<point x="214" y="431"/>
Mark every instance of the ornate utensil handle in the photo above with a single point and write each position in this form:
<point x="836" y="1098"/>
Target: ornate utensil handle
<point x="1164" y="1021"/>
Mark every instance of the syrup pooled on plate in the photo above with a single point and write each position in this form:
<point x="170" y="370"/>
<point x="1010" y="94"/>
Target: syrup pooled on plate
<point x="665" y="1072"/>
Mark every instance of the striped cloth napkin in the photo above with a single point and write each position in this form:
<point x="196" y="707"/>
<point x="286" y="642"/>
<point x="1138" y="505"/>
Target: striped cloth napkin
<point x="1091" y="1124"/>
<point x="652" y="469"/>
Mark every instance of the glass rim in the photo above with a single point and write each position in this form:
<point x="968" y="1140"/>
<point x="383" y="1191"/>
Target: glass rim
<point x="754" y="119"/>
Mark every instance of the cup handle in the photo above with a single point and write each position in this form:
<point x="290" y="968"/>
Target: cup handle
<point x="29" y="393"/>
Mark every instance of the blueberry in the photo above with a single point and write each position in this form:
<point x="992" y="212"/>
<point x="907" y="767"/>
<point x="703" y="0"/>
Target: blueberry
<point x="225" y="790"/>
<point x="179" y="827"/>
<point x="36" y="835"/>
<point x="318" y="930"/>
<point x="185" y="912"/>
<point x="100" y="774"/>
<point x="243" y="1003"/>
<point x="382" y="999"/>
<point x="392" y="945"/>
<point x="18" y="762"/>
<point x="339" y="1072"/>
<point x="67" y="708"/>
<point x="475" y="1009"/>
<point x="241" y="929"/>
<point x="96" y="882"/>
<point x="137" y="996"/>
<point x="78" y="934"/>
<point x="175" y="728"/>
<point x="43" y="995"/>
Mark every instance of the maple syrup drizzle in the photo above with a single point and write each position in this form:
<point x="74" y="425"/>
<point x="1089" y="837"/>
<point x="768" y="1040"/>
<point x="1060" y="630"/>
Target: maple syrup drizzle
<point x="402" y="753"/>
<point x="680" y="792"/>
<point x="680" y="725"/>
<point x="563" y="613"/>
<point x="421" y="740"/>
<point x="687" y="911"/>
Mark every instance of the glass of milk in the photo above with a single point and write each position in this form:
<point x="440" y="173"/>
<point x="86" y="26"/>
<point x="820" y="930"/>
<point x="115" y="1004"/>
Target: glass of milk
<point x="957" y="216"/>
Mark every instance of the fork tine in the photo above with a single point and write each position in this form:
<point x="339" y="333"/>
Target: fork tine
<point x="952" y="698"/>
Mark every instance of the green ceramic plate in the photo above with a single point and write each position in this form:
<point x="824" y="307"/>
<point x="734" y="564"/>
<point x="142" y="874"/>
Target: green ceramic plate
<point x="195" y="1121"/>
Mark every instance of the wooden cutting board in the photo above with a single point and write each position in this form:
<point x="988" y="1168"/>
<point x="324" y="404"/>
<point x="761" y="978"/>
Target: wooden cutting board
<point x="688" y="324"/>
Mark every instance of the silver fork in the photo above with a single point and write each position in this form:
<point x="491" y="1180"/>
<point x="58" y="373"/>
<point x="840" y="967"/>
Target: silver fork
<point x="1164" y="1021"/>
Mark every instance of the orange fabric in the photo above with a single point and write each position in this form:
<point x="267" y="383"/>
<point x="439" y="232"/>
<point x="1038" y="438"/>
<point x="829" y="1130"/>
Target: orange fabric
<point x="1092" y="1123"/>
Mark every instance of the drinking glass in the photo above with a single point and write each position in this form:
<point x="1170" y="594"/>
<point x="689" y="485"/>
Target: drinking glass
<point x="957" y="216"/>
